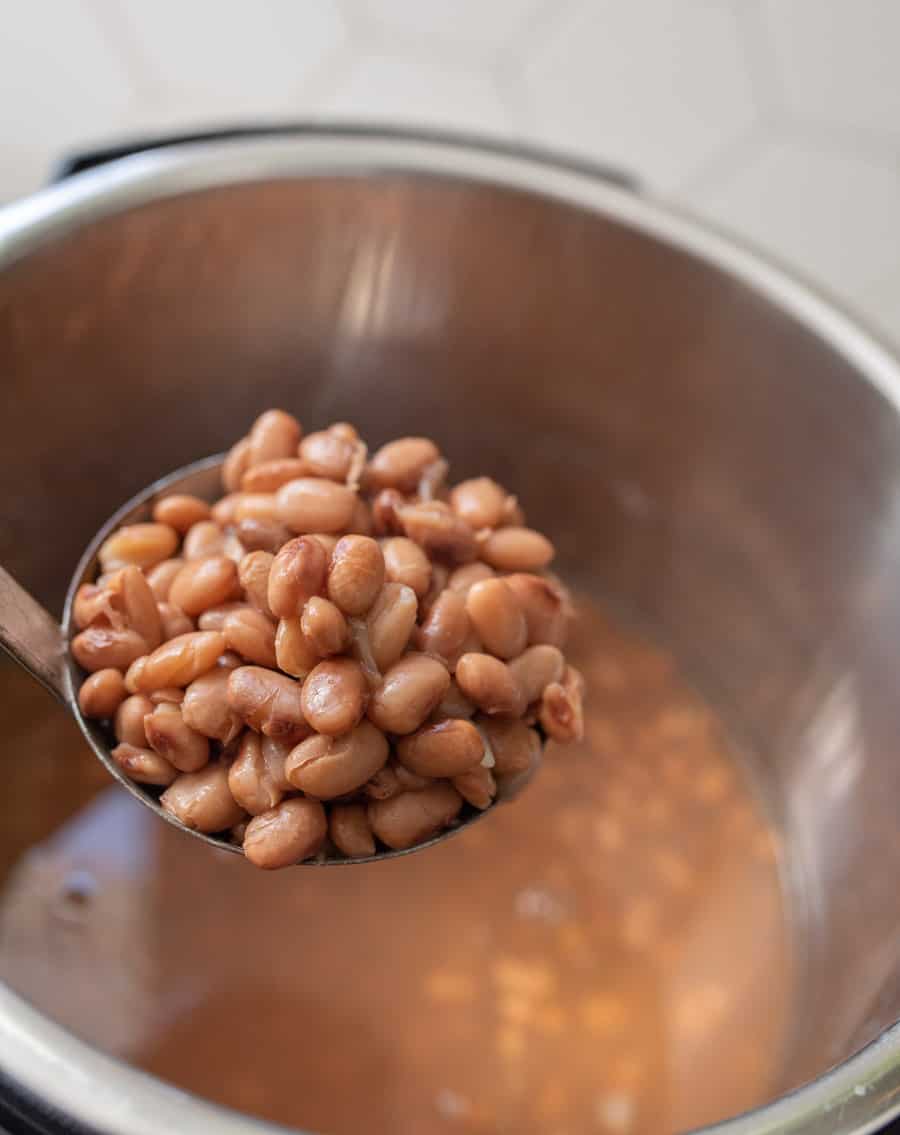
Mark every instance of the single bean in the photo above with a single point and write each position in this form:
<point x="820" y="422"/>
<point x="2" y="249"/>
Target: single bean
<point x="223" y="510"/>
<point x="497" y="618"/>
<point x="93" y="604"/>
<point x="177" y="662"/>
<point x="205" y="707"/>
<point x="326" y="767"/>
<point x="275" y="754"/>
<point x="214" y="618"/>
<point x="253" y="576"/>
<point x="412" y="817"/>
<point x="309" y="505"/>
<point x="356" y="574"/>
<point x="236" y="463"/>
<point x="454" y="703"/>
<point x="448" y="748"/>
<point x="248" y="778"/>
<point x="517" y="549"/>
<point x="251" y="635"/>
<point x="168" y="735"/>
<point x="390" y="623"/>
<point x="361" y="523"/>
<point x="445" y="628"/>
<point x="477" y="786"/>
<point x="385" y="518"/>
<point x="132" y="593"/>
<point x="256" y="506"/>
<point x="408" y="693"/>
<point x="462" y="579"/>
<point x="442" y="534"/>
<point x="271" y="475"/>
<point x="327" y="454"/>
<point x="546" y="607"/>
<point x="202" y="540"/>
<point x="102" y="693"/>
<point x="202" y="584"/>
<point x="170" y="694"/>
<point x="405" y="562"/>
<point x="297" y="573"/>
<point x="325" y="627"/>
<point x="128" y="724"/>
<point x="268" y="702"/>
<point x="288" y="834"/>
<point x="201" y="800"/>
<point x="102" y="648"/>
<point x="479" y="502"/>
<point x="175" y="622"/>
<point x="561" y="712"/>
<point x="294" y="653"/>
<point x="400" y="463"/>
<point x="274" y="434"/>
<point x="262" y="535"/>
<point x="489" y="683"/>
<point x="536" y="668"/>
<point x="180" y="511"/>
<point x="350" y="831"/>
<point x="334" y="696"/>
<point x="140" y="544"/>
<point x="143" y="765"/>
<point x="160" y="578"/>
<point x="515" y="747"/>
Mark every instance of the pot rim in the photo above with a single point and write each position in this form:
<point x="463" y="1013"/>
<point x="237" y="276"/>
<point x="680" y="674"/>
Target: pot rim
<point x="46" y="1068"/>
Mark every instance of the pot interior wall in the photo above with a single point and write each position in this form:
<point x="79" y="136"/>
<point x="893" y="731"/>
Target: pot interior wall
<point x="695" y="453"/>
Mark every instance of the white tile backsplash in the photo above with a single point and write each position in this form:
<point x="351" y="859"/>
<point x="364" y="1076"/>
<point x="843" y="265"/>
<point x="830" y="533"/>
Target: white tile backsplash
<point x="777" y="119"/>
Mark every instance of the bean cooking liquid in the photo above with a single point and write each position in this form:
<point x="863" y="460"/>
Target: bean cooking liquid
<point x="607" y="954"/>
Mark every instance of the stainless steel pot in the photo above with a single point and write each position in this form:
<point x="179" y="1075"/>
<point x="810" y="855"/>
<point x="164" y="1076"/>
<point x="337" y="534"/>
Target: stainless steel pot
<point x="704" y="436"/>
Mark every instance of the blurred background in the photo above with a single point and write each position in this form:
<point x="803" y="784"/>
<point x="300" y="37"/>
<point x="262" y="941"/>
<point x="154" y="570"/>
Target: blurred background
<point x="776" y="119"/>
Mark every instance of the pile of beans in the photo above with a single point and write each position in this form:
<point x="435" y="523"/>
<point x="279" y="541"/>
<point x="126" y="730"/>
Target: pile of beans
<point x="341" y="653"/>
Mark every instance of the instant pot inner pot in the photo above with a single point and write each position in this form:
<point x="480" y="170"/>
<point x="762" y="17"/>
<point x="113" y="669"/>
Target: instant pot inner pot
<point x="696" y="454"/>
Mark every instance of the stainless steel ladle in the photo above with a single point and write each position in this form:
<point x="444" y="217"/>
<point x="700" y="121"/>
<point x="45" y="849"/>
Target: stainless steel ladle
<point x="36" y="641"/>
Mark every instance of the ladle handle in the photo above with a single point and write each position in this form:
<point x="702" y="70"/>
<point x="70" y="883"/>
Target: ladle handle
<point x="31" y="635"/>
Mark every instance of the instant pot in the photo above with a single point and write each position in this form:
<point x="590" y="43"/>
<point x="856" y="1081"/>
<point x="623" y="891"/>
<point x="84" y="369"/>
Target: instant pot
<point x="723" y="441"/>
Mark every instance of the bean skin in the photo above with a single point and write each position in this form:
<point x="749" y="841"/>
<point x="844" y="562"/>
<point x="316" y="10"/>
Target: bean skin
<point x="334" y="696"/>
<point x="439" y="531"/>
<point x="160" y="578"/>
<point x="236" y="463"/>
<point x="103" y="648"/>
<point x="561" y="710"/>
<point x="350" y="832"/>
<point x="445" y="629"/>
<point x="385" y="518"/>
<point x="325" y="627"/>
<point x="439" y="577"/>
<point x="309" y="505"/>
<point x="390" y="623"/>
<point x="326" y="767"/>
<point x="205" y="707"/>
<point x="361" y="523"/>
<point x="497" y="618"/>
<point x="253" y="576"/>
<point x="517" y="549"/>
<point x="177" y="662"/>
<point x="412" y="817"/>
<point x="271" y="475"/>
<point x="249" y="780"/>
<point x="174" y="621"/>
<point x="202" y="584"/>
<point x="180" y="511"/>
<point x="256" y="506"/>
<point x="201" y="800"/>
<point x="251" y="635"/>
<point x="405" y="562"/>
<point x="140" y="544"/>
<point x="545" y="605"/>
<point x="328" y="454"/>
<point x="214" y="618"/>
<point x="288" y="834"/>
<point x="536" y="668"/>
<point x="268" y="702"/>
<point x="477" y="786"/>
<point x="128" y="724"/>
<point x="275" y="434"/>
<point x="143" y="765"/>
<point x="515" y="746"/>
<point x="408" y="693"/>
<point x="102" y="693"/>
<point x="297" y="574"/>
<point x="356" y="574"/>
<point x="168" y="735"/>
<point x="400" y="464"/>
<point x="258" y="535"/>
<point x="294" y="653"/>
<point x="462" y="579"/>
<point x="95" y="604"/>
<point x="489" y="683"/>
<point x="447" y="748"/>
<point x="479" y="502"/>
<point x="132" y="594"/>
<point x="202" y="540"/>
<point x="167" y="694"/>
<point x="454" y="703"/>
